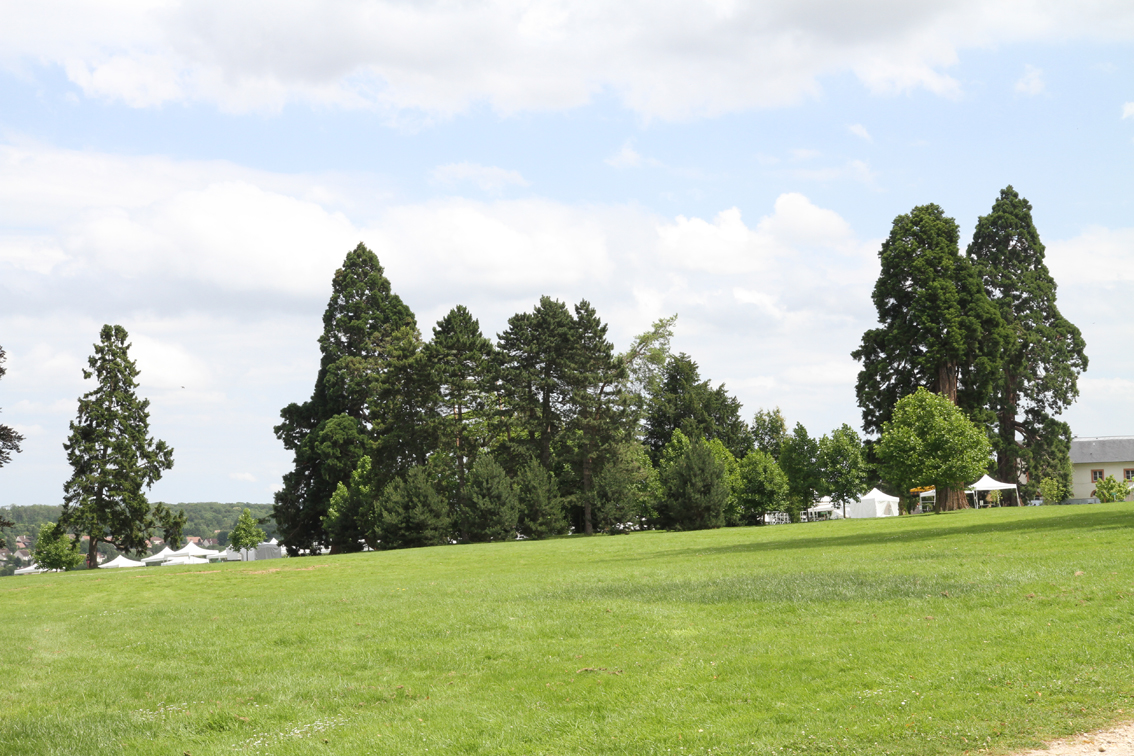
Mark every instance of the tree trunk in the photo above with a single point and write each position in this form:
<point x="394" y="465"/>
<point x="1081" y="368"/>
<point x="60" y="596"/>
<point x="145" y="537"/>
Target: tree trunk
<point x="947" y="381"/>
<point x="1007" y="466"/>
<point x="950" y="499"/>
<point x="92" y="553"/>
<point x="588" y="484"/>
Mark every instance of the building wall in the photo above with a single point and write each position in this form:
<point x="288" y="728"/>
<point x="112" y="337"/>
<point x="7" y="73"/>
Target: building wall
<point x="1084" y="488"/>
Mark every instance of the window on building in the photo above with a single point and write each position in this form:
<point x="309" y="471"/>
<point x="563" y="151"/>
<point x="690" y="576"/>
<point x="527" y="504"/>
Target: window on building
<point x="1128" y="473"/>
<point x="1097" y="475"/>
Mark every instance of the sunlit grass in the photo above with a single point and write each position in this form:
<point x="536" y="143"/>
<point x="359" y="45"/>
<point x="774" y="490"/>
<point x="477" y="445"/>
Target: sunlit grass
<point x="930" y="634"/>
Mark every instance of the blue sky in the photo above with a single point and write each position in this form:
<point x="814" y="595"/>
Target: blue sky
<point x="196" y="171"/>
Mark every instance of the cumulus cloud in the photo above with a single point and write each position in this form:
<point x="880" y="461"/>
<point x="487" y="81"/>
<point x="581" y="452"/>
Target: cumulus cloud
<point x="626" y="157"/>
<point x="671" y="59"/>
<point x="1031" y="83"/>
<point x="860" y="131"/>
<point x="1128" y="110"/>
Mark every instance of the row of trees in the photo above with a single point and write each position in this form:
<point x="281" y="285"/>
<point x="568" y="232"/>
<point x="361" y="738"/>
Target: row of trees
<point x="547" y="429"/>
<point x="981" y="329"/>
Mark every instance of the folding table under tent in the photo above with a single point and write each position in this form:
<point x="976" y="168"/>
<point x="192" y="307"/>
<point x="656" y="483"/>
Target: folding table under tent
<point x="873" y="504"/>
<point x="988" y="484"/>
<point x="121" y="561"/>
<point x="159" y="557"/>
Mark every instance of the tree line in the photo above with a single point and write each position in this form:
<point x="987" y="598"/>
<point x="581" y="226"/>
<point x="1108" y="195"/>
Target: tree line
<point x="545" y="430"/>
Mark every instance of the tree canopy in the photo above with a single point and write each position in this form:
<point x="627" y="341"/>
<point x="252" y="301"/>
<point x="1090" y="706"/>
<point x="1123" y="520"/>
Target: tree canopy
<point x="112" y="456"/>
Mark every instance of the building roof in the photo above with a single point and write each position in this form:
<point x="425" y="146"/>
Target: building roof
<point x="1102" y="449"/>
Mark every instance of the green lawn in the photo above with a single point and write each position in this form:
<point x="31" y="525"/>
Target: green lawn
<point x="916" y="635"/>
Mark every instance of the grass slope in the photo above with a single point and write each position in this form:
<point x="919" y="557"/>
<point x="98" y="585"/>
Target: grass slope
<point x="918" y="635"/>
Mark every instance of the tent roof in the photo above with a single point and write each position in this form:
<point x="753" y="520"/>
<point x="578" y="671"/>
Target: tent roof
<point x="122" y="561"/>
<point x="161" y="556"/>
<point x="184" y="560"/>
<point x="192" y="550"/>
<point x="878" y="496"/>
<point x="988" y="484"/>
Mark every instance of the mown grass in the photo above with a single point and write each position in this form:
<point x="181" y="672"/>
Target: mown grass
<point x="919" y="635"/>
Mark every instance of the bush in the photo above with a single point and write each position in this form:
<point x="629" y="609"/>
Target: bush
<point x="56" y="551"/>
<point x="1110" y="489"/>
<point x="492" y="509"/>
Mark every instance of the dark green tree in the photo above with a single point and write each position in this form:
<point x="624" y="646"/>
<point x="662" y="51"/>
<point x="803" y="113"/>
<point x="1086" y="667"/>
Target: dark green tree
<point x="540" y="506"/>
<point x="462" y="359"/>
<point x="1041" y="352"/>
<point x="9" y="444"/>
<point x="763" y="487"/>
<point x="683" y="401"/>
<point x="492" y="510"/>
<point x="170" y="522"/>
<point x="938" y="328"/>
<point x="410" y="513"/>
<point x="769" y="431"/>
<point x="930" y="442"/>
<point x="799" y="459"/>
<point x="344" y="520"/>
<point x="842" y="463"/>
<point x="536" y="356"/>
<point x="112" y="456"/>
<point x="695" y="489"/>
<point x="363" y="322"/>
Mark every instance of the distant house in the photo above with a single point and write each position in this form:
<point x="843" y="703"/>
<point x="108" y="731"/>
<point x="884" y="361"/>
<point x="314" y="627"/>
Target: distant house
<point x="194" y="539"/>
<point x="1093" y="459"/>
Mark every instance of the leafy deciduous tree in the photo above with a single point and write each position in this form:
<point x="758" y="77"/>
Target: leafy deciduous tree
<point x="247" y="533"/>
<point x="843" y="466"/>
<point x="627" y="489"/>
<point x="769" y="431"/>
<point x="54" y="550"/>
<point x="763" y="487"/>
<point x="799" y="459"/>
<point x="930" y="442"/>
<point x="113" y="458"/>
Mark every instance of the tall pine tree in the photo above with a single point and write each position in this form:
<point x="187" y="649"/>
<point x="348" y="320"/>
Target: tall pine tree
<point x="112" y="456"/>
<point x="9" y="444"/>
<point x="1042" y="353"/>
<point x="363" y="323"/>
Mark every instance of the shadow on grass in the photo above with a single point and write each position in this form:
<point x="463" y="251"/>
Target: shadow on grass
<point x="1074" y="520"/>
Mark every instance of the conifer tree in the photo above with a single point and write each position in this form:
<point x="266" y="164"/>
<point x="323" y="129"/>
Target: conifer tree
<point x="937" y="326"/>
<point x="1041" y="355"/>
<point x="627" y="489"/>
<point x="9" y="439"/>
<point x="696" y="490"/>
<point x="492" y="509"/>
<point x="462" y="360"/>
<point x="112" y="456"/>
<point x="344" y="521"/>
<point x="410" y="513"/>
<point x="363" y="321"/>
<point x="684" y="401"/>
<point x="541" y="508"/>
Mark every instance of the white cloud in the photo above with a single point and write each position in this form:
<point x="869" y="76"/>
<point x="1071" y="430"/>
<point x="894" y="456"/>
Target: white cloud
<point x="243" y="476"/>
<point x="676" y="59"/>
<point x="1128" y="110"/>
<point x="1031" y="83"/>
<point x="488" y="178"/>
<point x="859" y="131"/>
<point x="626" y="157"/>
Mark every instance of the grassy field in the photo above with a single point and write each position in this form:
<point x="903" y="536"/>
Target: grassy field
<point x="947" y="634"/>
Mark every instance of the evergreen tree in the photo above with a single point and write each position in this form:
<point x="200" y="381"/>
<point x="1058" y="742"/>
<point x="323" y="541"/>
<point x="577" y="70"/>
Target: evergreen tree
<point x="930" y="442"/>
<point x="683" y="401"/>
<point x="843" y="466"/>
<point x="344" y="521"/>
<point x="769" y="431"/>
<point x="462" y="360"/>
<point x="9" y="439"/>
<point x="112" y="456"/>
<point x="410" y="513"/>
<point x="493" y="509"/>
<point x="763" y="487"/>
<point x="1041" y="355"/>
<point x="363" y="319"/>
<point x="799" y="459"/>
<point x="171" y="522"/>
<point x="696" y="490"/>
<point x="541" y="508"/>
<point x="404" y="406"/>
<point x="938" y="328"/>
<point x="247" y="533"/>
<point x="732" y="479"/>
<point x="537" y="354"/>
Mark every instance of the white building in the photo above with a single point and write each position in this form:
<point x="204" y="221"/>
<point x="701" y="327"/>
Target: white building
<point x="1093" y="459"/>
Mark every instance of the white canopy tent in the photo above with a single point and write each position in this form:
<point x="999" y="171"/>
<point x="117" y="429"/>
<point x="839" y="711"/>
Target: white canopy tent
<point x="192" y="550"/>
<point x="31" y="569"/>
<point x="122" y="561"/>
<point x="159" y="557"/>
<point x="175" y="561"/>
<point x="873" y="504"/>
<point x="988" y="484"/>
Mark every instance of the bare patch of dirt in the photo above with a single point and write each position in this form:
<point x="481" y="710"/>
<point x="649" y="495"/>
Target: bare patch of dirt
<point x="1114" y="741"/>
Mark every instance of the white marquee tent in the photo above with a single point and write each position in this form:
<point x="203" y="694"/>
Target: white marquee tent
<point x="121" y="561"/>
<point x="873" y="504"/>
<point x="988" y="484"/>
<point x="192" y="550"/>
<point x="184" y="560"/>
<point x="159" y="557"/>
